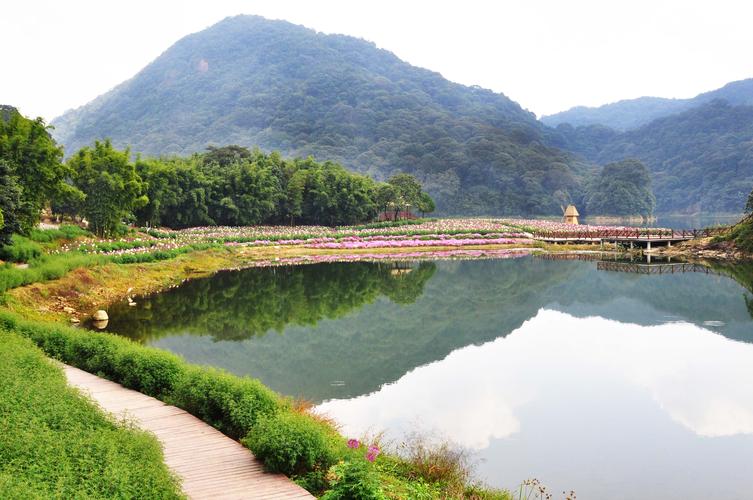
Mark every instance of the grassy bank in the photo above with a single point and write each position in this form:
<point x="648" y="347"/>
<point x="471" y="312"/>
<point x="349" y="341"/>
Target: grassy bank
<point x="56" y="444"/>
<point x="283" y="435"/>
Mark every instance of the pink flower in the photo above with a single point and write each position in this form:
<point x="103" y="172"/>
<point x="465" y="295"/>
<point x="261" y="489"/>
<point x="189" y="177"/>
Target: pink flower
<point x="353" y="443"/>
<point x="372" y="453"/>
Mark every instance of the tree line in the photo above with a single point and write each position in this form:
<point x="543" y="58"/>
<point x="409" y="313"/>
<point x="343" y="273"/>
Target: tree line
<point x="228" y="185"/>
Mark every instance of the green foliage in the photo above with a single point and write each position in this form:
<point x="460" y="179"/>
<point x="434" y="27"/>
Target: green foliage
<point x="34" y="161"/>
<point x="56" y="444"/>
<point x="287" y="88"/>
<point x="229" y="403"/>
<point x="20" y="250"/>
<point x="293" y="443"/>
<point x="623" y="188"/>
<point x="10" y="202"/>
<point x="742" y="235"/>
<point x="354" y="480"/>
<point x="234" y="186"/>
<point x="110" y="183"/>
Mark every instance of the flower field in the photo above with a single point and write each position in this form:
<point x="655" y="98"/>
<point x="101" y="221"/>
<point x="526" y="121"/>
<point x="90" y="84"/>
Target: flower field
<point x="427" y="233"/>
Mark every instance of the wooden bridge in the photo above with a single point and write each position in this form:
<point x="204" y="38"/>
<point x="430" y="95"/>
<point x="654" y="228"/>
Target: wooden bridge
<point x="642" y="237"/>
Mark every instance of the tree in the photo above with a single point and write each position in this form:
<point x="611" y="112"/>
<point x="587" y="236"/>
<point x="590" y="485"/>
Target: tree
<point x="749" y="205"/>
<point x="10" y="201"/>
<point x="426" y="204"/>
<point x="226" y="155"/>
<point x="623" y="188"/>
<point x="408" y="191"/>
<point x="112" y="187"/>
<point x="34" y="160"/>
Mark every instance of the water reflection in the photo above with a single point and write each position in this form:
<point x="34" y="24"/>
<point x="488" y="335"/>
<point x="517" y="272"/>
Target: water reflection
<point x="237" y="305"/>
<point x="582" y="382"/>
<point x="615" y="384"/>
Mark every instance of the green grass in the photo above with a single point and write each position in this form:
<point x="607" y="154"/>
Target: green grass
<point x="64" y="232"/>
<point x="53" y="266"/>
<point x="21" y="249"/>
<point x="56" y="444"/>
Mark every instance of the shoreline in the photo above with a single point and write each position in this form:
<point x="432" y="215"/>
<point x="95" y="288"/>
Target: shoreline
<point x="74" y="297"/>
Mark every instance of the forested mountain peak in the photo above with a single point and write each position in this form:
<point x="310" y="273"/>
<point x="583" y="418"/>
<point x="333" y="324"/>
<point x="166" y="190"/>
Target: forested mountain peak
<point x="629" y="114"/>
<point x="255" y="82"/>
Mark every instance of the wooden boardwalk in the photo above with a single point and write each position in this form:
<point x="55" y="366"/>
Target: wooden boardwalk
<point x="210" y="464"/>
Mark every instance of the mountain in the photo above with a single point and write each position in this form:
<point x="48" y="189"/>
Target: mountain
<point x="632" y="113"/>
<point x="701" y="160"/>
<point x="272" y="84"/>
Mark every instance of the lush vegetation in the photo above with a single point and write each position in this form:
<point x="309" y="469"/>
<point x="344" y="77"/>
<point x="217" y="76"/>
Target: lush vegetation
<point x="633" y="113"/>
<point x="271" y="84"/>
<point x="228" y="186"/>
<point x="623" y="188"/>
<point x="233" y="186"/>
<point x="700" y="160"/>
<point x="283" y="435"/>
<point x="56" y="444"/>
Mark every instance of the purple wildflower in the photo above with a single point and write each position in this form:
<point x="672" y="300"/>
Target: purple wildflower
<point x="353" y="443"/>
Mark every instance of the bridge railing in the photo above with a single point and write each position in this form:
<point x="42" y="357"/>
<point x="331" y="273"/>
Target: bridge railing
<point x="627" y="233"/>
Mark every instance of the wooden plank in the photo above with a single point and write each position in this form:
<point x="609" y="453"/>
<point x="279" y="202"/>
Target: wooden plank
<point x="209" y="464"/>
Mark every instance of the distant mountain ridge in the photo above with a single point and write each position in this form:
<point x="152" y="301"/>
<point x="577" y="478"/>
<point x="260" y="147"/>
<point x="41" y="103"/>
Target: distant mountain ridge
<point x="629" y="114"/>
<point x="701" y="160"/>
<point x="254" y="82"/>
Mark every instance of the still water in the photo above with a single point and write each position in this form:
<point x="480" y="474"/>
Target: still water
<point x="614" y="383"/>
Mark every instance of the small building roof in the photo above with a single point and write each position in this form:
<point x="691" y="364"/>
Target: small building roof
<point x="571" y="211"/>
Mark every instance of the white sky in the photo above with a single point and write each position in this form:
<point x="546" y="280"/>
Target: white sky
<point x="548" y="55"/>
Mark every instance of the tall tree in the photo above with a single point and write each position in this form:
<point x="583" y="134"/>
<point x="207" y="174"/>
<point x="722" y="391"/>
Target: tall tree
<point x="34" y="159"/>
<point x="112" y="187"/>
<point x="10" y="201"/>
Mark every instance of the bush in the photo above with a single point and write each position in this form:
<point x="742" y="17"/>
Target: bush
<point x="228" y="403"/>
<point x="20" y="250"/>
<point x="293" y="443"/>
<point x="355" y="480"/>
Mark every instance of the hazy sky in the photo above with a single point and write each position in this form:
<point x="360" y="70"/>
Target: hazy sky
<point x="547" y="55"/>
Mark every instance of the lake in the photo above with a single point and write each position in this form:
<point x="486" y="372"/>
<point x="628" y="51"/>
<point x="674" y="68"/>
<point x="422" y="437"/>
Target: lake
<point x="585" y="375"/>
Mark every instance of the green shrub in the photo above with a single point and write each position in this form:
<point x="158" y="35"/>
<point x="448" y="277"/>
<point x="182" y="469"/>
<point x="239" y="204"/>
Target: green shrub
<point x="354" y="480"/>
<point x="56" y="444"/>
<point x="231" y="404"/>
<point x="292" y="443"/>
<point x="20" y="250"/>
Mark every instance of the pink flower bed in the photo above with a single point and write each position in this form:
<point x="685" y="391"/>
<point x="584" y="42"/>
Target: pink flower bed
<point x="454" y="254"/>
<point x="384" y="243"/>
